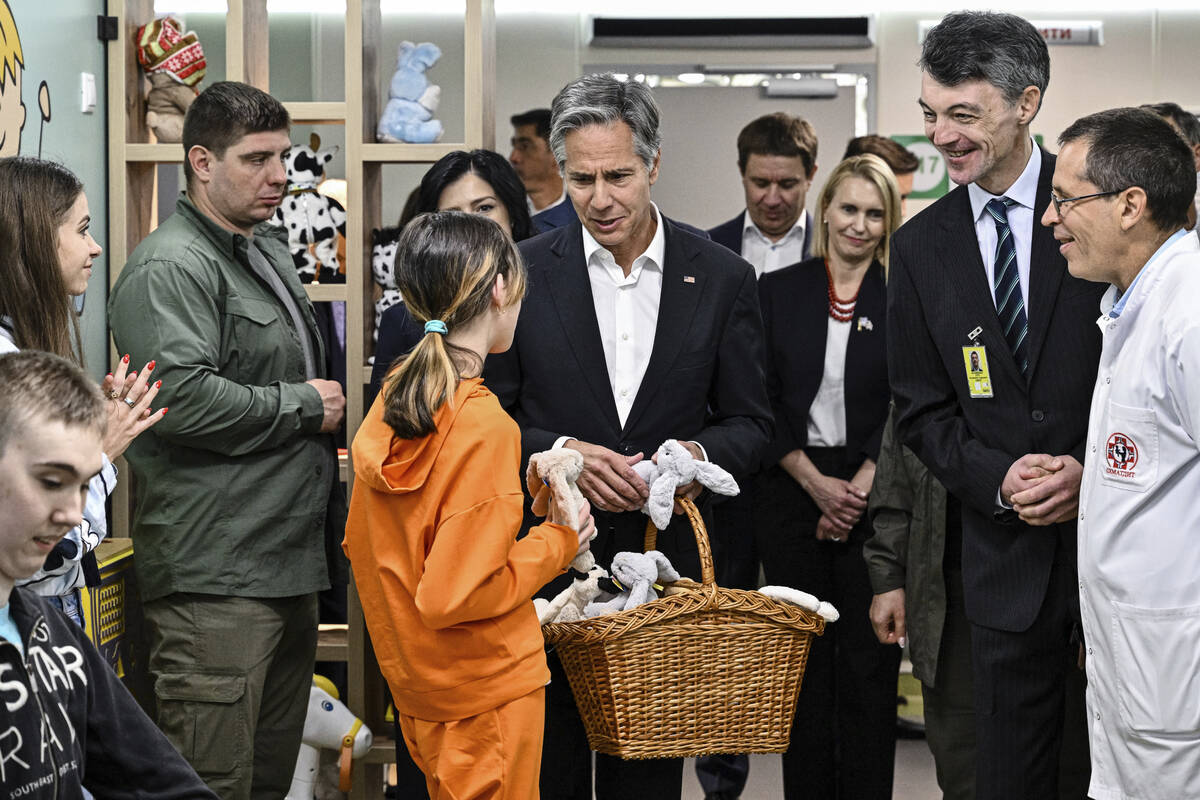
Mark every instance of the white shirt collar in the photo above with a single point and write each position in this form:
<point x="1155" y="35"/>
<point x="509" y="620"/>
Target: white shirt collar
<point x="654" y="255"/>
<point x="1023" y="190"/>
<point x="797" y="230"/>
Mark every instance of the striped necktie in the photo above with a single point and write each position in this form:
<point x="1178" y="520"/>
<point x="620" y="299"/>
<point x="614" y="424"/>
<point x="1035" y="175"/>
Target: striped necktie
<point x="1006" y="281"/>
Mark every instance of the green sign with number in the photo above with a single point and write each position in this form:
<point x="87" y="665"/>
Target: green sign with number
<point x="931" y="180"/>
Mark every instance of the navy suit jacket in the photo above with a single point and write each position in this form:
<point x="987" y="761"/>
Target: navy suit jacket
<point x="729" y="233"/>
<point x="554" y="217"/>
<point x="795" y="308"/>
<point x="704" y="381"/>
<point x="937" y="294"/>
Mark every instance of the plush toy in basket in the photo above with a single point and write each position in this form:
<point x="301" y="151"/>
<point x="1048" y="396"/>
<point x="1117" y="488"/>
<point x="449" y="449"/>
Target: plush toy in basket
<point x="698" y="670"/>
<point x="309" y="216"/>
<point x="174" y="63"/>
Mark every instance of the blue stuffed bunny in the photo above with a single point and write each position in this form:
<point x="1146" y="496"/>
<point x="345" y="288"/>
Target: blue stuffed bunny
<point x="408" y="115"/>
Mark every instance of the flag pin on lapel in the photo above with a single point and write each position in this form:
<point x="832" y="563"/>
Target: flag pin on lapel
<point x="689" y="278"/>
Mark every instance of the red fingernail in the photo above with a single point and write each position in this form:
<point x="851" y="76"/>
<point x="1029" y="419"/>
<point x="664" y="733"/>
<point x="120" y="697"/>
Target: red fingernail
<point x="157" y="384"/>
<point x="150" y="366"/>
<point x="125" y="359"/>
<point x="164" y="411"/>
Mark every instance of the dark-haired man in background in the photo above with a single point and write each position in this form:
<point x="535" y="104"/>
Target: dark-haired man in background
<point x="549" y="207"/>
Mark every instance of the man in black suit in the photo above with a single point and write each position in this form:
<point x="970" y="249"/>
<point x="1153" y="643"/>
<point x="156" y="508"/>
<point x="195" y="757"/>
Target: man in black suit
<point x="975" y="271"/>
<point x="633" y="331"/>
<point x="777" y="157"/>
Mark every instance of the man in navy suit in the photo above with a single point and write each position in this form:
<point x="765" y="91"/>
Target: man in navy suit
<point x="549" y="207"/>
<point x="634" y="331"/>
<point x="974" y="273"/>
<point x="777" y="157"/>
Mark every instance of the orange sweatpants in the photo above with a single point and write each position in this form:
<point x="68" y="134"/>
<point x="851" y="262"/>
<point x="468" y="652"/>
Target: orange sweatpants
<point x="496" y="755"/>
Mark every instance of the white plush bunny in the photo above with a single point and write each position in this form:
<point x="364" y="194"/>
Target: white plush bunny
<point x="672" y="467"/>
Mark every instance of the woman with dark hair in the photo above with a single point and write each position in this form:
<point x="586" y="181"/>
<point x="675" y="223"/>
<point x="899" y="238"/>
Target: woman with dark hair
<point x="476" y="182"/>
<point x="826" y="365"/>
<point x="48" y="247"/>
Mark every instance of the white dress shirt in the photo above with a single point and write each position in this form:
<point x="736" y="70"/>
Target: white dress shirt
<point x="827" y="414"/>
<point x="767" y="256"/>
<point x="1139" y="536"/>
<point x="1021" y="218"/>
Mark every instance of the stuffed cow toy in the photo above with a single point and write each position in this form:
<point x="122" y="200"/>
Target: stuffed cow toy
<point x="310" y="217"/>
<point x="383" y="268"/>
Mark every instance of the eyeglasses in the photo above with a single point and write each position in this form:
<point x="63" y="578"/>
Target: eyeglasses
<point x="1059" y="202"/>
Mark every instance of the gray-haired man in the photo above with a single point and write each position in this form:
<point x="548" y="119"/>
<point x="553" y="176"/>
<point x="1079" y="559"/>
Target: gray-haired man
<point x="634" y="331"/>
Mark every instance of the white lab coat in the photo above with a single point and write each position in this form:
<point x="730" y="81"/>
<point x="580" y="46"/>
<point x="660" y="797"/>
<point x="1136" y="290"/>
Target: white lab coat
<point x="1139" y="538"/>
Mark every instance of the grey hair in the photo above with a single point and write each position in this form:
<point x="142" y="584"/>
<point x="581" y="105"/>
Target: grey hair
<point x="601" y="99"/>
<point x="1002" y="49"/>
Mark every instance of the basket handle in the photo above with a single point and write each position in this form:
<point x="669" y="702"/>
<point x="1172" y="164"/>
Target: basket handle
<point x="707" y="574"/>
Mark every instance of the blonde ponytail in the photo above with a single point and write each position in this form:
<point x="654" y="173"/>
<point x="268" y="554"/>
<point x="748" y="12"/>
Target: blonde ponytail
<point x="446" y="265"/>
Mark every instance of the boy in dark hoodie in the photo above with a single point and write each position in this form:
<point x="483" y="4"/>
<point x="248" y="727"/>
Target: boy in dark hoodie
<point x="66" y="722"/>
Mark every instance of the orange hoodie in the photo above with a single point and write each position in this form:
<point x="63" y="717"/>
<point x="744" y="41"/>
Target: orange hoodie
<point x="445" y="585"/>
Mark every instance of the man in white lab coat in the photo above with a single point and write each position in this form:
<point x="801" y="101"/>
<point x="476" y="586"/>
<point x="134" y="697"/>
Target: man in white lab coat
<point x="1121" y="191"/>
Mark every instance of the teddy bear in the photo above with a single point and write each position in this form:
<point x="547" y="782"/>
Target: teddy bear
<point x="412" y="99"/>
<point x="174" y="63"/>
<point x="552" y="474"/>
<point x="636" y="576"/>
<point x="309" y="216"/>
<point x="673" y="466"/>
<point x="383" y="267"/>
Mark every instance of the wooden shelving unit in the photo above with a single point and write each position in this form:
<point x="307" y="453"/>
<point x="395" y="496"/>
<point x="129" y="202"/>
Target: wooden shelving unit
<point x="133" y="160"/>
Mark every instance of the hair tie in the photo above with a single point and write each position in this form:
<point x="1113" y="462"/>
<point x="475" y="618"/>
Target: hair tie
<point x="436" y="326"/>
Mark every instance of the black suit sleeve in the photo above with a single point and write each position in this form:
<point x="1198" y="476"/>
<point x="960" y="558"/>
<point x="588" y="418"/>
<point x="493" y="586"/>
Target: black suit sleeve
<point x="502" y="375"/>
<point x="927" y="416"/>
<point x="740" y="423"/>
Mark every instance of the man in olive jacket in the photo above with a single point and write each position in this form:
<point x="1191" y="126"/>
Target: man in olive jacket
<point x="914" y="561"/>
<point x="238" y="483"/>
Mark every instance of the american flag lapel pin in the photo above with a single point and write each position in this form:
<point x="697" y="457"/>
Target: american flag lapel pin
<point x="689" y="278"/>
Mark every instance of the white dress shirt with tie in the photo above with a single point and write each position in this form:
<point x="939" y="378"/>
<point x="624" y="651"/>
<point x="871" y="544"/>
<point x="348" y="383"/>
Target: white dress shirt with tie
<point x="1021" y="218"/>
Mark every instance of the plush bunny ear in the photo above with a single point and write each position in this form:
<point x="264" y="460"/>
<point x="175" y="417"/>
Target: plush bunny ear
<point x="538" y="490"/>
<point x="716" y="479"/>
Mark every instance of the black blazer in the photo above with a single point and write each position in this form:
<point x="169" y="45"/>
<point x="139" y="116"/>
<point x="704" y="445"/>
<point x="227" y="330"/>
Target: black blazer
<point x="704" y="381"/>
<point x="795" y="308"/>
<point x="729" y="234"/>
<point x="937" y="294"/>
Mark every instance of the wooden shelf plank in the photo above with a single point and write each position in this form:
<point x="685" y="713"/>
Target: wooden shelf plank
<point x="317" y="113"/>
<point x="333" y="642"/>
<point x="326" y="292"/>
<point x="409" y="153"/>
<point x="161" y="153"/>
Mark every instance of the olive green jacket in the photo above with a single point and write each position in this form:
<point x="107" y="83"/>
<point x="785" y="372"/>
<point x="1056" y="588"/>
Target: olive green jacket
<point x="234" y="485"/>
<point x="908" y="512"/>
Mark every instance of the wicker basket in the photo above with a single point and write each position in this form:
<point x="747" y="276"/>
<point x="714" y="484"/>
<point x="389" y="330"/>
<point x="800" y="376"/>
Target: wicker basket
<point x="706" y="670"/>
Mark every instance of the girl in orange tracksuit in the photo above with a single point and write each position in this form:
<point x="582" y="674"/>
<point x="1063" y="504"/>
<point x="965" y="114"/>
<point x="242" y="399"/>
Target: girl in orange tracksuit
<point x="445" y="585"/>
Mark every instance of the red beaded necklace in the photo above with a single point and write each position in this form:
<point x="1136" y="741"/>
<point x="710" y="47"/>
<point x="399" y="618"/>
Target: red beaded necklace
<point x="839" y="309"/>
